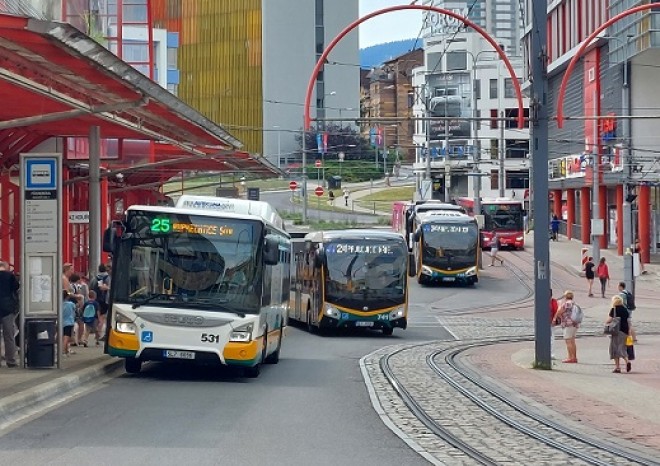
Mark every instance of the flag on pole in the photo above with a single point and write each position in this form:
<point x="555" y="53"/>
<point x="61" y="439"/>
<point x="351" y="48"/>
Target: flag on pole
<point x="319" y="143"/>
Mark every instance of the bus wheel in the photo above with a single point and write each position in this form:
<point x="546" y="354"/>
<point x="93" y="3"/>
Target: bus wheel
<point x="254" y="371"/>
<point x="132" y="365"/>
<point x="388" y="331"/>
<point x="274" y="357"/>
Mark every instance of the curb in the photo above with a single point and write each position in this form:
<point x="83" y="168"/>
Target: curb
<point x="16" y="407"/>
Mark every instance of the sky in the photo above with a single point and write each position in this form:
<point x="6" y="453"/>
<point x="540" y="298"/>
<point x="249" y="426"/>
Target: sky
<point x="390" y="26"/>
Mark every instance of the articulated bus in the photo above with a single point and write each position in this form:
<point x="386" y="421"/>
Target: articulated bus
<point x="351" y="278"/>
<point x="446" y="248"/>
<point x="205" y="282"/>
<point x="502" y="216"/>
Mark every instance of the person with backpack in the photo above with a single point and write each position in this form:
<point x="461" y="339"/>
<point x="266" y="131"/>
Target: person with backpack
<point x="618" y="338"/>
<point x="629" y="302"/>
<point x="554" y="307"/>
<point x="80" y="291"/>
<point x="570" y="315"/>
<point x="90" y="319"/>
<point x="101" y="286"/>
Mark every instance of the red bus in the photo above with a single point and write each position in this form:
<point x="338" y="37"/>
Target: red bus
<point x="501" y="215"/>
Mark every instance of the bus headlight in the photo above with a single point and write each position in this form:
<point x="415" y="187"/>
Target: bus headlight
<point x="397" y="313"/>
<point x="124" y="325"/>
<point x="471" y="272"/>
<point x="332" y="311"/>
<point x="426" y="270"/>
<point x="242" y="334"/>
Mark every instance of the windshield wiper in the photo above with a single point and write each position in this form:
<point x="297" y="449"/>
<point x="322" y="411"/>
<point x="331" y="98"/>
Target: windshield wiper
<point x="152" y="297"/>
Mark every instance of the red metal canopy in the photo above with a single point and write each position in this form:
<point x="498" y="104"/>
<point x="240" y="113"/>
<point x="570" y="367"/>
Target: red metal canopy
<point x="56" y="82"/>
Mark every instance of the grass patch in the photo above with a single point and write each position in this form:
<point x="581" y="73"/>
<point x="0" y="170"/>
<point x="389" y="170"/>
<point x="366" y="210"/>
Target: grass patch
<point x="382" y="201"/>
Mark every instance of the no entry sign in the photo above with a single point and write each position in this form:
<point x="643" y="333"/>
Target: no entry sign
<point x="319" y="191"/>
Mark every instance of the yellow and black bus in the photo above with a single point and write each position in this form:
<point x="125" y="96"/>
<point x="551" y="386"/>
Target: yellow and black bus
<point x="351" y="278"/>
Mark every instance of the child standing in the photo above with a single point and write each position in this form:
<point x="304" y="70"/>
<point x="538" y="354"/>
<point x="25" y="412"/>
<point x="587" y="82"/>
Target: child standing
<point x="90" y="318"/>
<point x="68" y="321"/>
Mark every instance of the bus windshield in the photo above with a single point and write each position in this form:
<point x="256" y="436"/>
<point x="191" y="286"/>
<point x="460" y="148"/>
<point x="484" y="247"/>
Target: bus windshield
<point x="365" y="273"/>
<point x="501" y="217"/>
<point x="176" y="260"/>
<point x="450" y="246"/>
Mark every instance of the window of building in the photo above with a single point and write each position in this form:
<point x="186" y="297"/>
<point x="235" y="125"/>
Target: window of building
<point x="517" y="179"/>
<point x="456" y="61"/>
<point x="494" y="180"/>
<point x="173" y="88"/>
<point x="134" y="11"/>
<point x="172" y="58"/>
<point x="493" y="88"/>
<point x="509" y="91"/>
<point x="493" y="118"/>
<point x="477" y="88"/>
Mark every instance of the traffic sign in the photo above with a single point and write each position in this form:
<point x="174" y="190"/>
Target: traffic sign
<point x="317" y="164"/>
<point x="319" y="191"/>
<point x="293" y="185"/>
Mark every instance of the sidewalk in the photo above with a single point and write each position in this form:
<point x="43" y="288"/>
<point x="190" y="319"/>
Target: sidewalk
<point x="622" y="404"/>
<point x="24" y="391"/>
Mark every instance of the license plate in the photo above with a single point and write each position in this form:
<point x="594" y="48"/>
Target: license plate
<point x="364" y="324"/>
<point x="174" y="354"/>
<point x="449" y="279"/>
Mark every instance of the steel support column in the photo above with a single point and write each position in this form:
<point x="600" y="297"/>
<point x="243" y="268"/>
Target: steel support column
<point x="570" y="212"/>
<point x="94" y="199"/>
<point x="585" y="214"/>
<point x="620" y="238"/>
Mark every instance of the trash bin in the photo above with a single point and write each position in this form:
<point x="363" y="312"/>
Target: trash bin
<point x="41" y="343"/>
<point x="334" y="182"/>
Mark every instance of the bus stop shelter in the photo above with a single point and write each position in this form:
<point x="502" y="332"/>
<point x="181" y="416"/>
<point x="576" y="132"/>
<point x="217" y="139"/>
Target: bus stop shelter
<point x="59" y="85"/>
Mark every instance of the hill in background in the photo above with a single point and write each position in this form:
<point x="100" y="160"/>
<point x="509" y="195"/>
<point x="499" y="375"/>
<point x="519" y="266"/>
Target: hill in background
<point x="375" y="55"/>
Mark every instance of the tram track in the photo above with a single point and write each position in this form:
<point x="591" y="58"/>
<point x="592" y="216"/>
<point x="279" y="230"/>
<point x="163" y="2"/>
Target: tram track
<point x="518" y="423"/>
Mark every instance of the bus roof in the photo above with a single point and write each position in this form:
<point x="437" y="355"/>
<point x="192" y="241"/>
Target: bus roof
<point x="218" y="207"/>
<point x="500" y="200"/>
<point x="329" y="235"/>
<point x="445" y="217"/>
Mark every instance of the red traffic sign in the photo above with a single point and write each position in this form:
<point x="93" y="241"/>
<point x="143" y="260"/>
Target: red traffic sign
<point x="293" y="185"/>
<point x="319" y="191"/>
<point x="318" y="164"/>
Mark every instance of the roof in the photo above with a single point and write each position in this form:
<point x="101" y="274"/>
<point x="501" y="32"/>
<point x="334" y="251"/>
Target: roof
<point x="58" y="82"/>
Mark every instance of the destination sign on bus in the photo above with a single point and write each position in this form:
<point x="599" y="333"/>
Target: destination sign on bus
<point x="164" y="226"/>
<point x="445" y="229"/>
<point x="347" y="248"/>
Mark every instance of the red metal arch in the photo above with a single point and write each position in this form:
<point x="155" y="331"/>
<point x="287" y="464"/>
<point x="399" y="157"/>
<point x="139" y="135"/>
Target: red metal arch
<point x="465" y="21"/>
<point x="580" y="51"/>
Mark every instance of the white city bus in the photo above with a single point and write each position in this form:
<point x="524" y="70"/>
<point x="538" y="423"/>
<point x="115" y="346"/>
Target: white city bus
<point x="206" y="282"/>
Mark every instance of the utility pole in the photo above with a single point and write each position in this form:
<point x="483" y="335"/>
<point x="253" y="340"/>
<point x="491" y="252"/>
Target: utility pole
<point x="304" y="175"/>
<point x="385" y="151"/>
<point x="596" y="224"/>
<point x="628" y="244"/>
<point x="539" y="147"/>
<point x="447" y="166"/>
<point x="427" y="124"/>
<point x="500" y="175"/>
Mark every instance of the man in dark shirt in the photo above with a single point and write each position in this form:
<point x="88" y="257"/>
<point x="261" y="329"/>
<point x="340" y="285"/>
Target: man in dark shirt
<point x="8" y="309"/>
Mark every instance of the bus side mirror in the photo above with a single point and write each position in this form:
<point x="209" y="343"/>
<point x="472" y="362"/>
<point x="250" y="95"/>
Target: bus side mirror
<point x="319" y="258"/>
<point x="412" y="265"/>
<point x="110" y="236"/>
<point x="271" y="252"/>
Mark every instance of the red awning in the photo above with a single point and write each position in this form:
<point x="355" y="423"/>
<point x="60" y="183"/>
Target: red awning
<point x="56" y="82"/>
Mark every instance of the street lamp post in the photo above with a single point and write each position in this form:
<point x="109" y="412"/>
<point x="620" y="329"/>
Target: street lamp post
<point x="304" y="175"/>
<point x="279" y="147"/>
